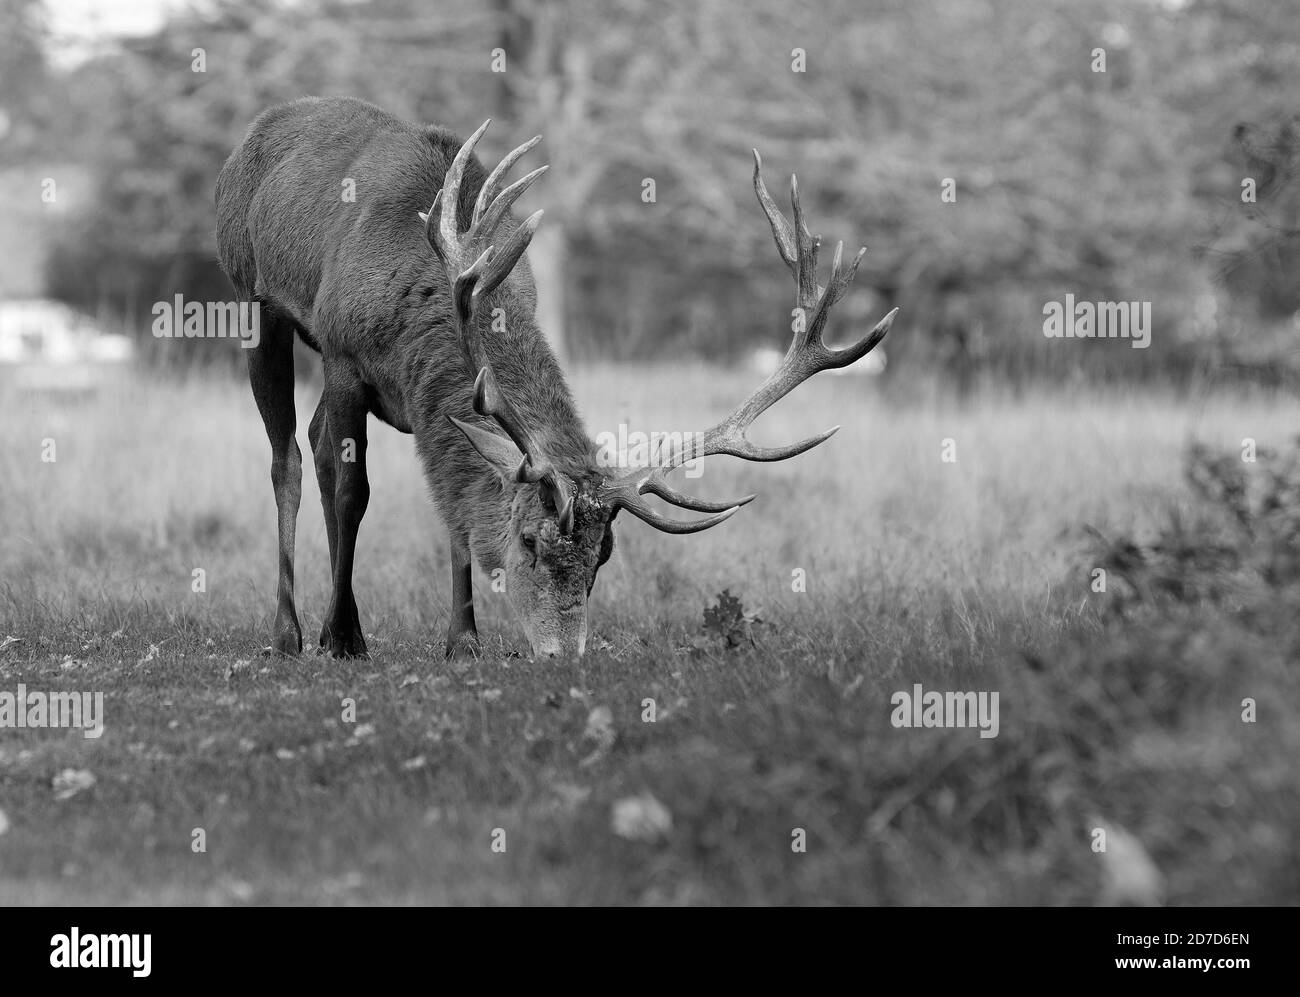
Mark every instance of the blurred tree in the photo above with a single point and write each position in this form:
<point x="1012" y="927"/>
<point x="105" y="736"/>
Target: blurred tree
<point x="26" y="99"/>
<point x="1239" y="86"/>
<point x="1065" y="179"/>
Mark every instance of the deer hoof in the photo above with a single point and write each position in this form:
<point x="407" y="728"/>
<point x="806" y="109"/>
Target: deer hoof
<point x="464" y="647"/>
<point x="349" y="647"/>
<point x="343" y="645"/>
<point x="287" y="643"/>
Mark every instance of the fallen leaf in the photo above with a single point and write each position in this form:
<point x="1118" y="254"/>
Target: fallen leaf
<point x="600" y="727"/>
<point x="641" y="818"/>
<point x="70" y="782"/>
<point x="571" y="796"/>
<point x="361" y="732"/>
<point x="600" y="731"/>
<point x="1130" y="876"/>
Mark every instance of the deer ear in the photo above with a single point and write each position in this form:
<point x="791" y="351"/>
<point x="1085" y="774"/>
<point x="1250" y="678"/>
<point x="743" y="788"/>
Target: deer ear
<point x="503" y="455"/>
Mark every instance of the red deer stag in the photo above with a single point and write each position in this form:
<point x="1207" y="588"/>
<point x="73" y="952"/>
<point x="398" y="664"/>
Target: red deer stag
<point x="425" y="319"/>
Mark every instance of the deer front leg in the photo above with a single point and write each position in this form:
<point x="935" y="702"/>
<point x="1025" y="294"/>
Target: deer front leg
<point x="322" y="448"/>
<point x="345" y="415"/>
<point x="462" y="634"/>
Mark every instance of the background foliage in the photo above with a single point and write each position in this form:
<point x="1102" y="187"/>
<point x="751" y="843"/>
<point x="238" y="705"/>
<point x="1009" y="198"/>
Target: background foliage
<point x="1121" y="185"/>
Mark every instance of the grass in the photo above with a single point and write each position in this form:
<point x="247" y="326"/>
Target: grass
<point x="965" y="575"/>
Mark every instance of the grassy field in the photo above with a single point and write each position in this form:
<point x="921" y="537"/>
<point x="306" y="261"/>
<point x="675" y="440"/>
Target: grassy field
<point x="970" y="575"/>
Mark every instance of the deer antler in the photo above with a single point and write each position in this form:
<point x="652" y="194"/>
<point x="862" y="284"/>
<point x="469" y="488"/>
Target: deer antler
<point x="476" y="267"/>
<point x="808" y="354"/>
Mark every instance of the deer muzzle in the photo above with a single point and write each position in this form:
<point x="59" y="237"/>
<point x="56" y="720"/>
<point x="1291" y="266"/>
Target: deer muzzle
<point x="562" y="634"/>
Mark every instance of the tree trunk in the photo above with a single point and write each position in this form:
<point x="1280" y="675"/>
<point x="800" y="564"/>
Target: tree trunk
<point x="548" y="256"/>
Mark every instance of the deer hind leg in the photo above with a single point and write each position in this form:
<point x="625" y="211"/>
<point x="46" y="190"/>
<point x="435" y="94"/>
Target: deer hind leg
<point x="270" y="372"/>
<point x="345" y="421"/>
<point x="462" y="634"/>
<point x="322" y="448"/>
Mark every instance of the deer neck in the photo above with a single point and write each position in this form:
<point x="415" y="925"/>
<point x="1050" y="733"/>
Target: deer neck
<point x="474" y="501"/>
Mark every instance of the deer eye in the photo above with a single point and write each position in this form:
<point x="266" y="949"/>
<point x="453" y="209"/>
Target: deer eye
<point x="529" y="540"/>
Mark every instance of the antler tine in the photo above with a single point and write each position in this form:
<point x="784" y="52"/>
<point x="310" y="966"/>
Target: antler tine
<point x="431" y="225"/>
<point x="471" y="280"/>
<point x="806" y="249"/>
<point x="852" y="354"/>
<point x="491" y="264"/>
<point x="811" y="337"/>
<point x="659" y="486"/>
<point x="841" y="278"/>
<point x="486" y="225"/>
<point x="638" y="507"/>
<point x="466" y="286"/>
<point x="448" y="228"/>
<point x="488" y="401"/>
<point x="807" y="355"/>
<point x="533" y="467"/>
<point x="781" y="230"/>
<point x="525" y="473"/>
<point x="501" y="263"/>
<point x="492" y="185"/>
<point x="626" y="493"/>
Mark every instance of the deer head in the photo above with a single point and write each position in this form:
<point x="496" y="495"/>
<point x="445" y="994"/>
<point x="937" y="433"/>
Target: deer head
<point x="560" y="521"/>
